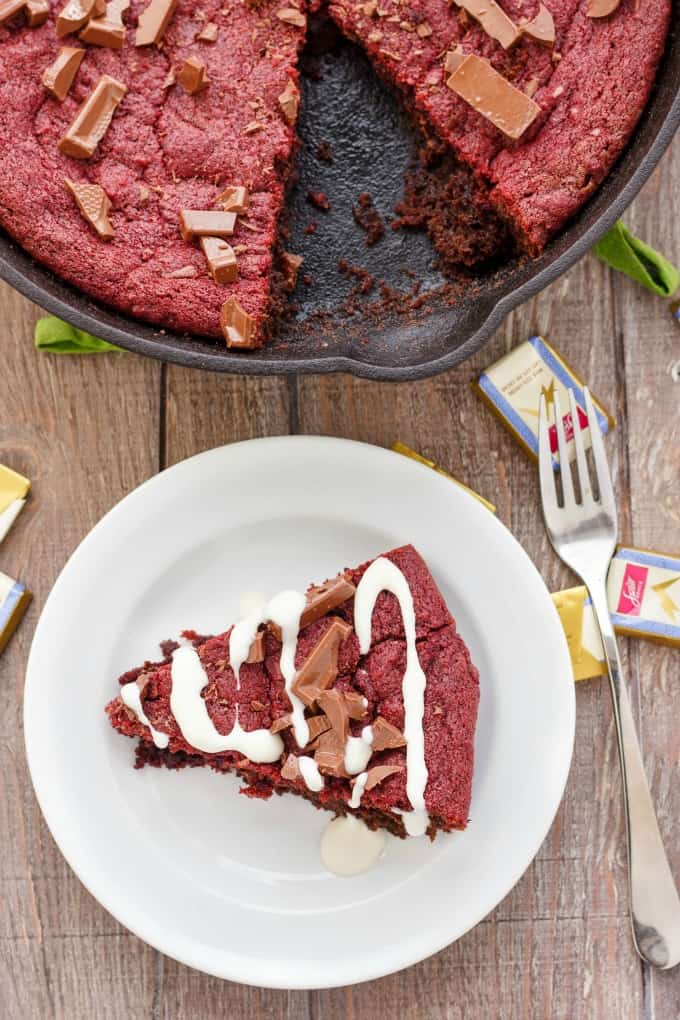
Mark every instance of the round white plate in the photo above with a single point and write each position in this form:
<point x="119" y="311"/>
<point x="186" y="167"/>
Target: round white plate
<point x="234" y="886"/>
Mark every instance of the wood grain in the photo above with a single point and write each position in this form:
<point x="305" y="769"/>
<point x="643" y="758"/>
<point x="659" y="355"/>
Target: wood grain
<point x="86" y="430"/>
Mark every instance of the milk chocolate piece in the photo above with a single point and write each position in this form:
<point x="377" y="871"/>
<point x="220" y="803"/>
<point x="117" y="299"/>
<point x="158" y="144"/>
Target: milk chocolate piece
<point x="289" y="101"/>
<point x="235" y="199"/>
<point x="291" y="266"/>
<point x="376" y="775"/>
<point x="330" y="755"/>
<point x="153" y="22"/>
<point x="292" y="16"/>
<point x="238" y="327"/>
<point x="291" y="769"/>
<point x="493" y="20"/>
<point x="109" y="30"/>
<point x="58" y="77"/>
<point x="601" y="8"/>
<point x="221" y="259"/>
<point x="332" y="704"/>
<point x="325" y="597"/>
<point x="94" y="205"/>
<point x="356" y="705"/>
<point x="282" y="723"/>
<point x="93" y="119"/>
<point x="208" y="33"/>
<point x="256" y="653"/>
<point x="195" y="223"/>
<point x="541" y="28"/>
<point x="317" y="724"/>
<point x="320" y="669"/>
<point x="492" y="95"/>
<point x="385" y="735"/>
<point x="192" y="76"/>
<point x="453" y="59"/>
<point x="37" y="12"/>
<point x="76" y="12"/>
<point x="8" y="8"/>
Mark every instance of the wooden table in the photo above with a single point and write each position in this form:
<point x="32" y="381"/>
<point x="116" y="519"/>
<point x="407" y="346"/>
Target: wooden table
<point x="86" y="430"/>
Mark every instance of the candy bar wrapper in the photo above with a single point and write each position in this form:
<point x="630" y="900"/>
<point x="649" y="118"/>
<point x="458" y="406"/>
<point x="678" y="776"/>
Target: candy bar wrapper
<point x="406" y="451"/>
<point x="14" y="489"/>
<point x="14" y="600"/>
<point x="512" y="388"/>
<point x="583" y="636"/>
<point x="643" y="591"/>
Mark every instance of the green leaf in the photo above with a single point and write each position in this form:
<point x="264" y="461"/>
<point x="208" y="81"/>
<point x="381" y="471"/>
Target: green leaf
<point x="58" y="337"/>
<point x="623" y="251"/>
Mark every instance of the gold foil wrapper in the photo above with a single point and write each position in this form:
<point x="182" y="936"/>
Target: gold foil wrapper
<point x="581" y="631"/>
<point x="14" y="489"/>
<point x="406" y="451"/>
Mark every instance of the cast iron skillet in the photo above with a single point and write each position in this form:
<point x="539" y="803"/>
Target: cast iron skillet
<point x="372" y="145"/>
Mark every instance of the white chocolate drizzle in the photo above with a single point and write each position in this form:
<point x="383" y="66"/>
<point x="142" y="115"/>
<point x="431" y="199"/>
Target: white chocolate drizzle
<point x="358" y="790"/>
<point x="358" y="751"/>
<point x="285" y="610"/>
<point x="383" y="575"/>
<point x="309" y="771"/>
<point x="130" y="696"/>
<point x="349" y="847"/>
<point x="191" y="715"/>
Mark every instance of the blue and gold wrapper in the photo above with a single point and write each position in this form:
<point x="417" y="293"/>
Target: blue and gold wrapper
<point x="14" y="600"/>
<point x="512" y="388"/>
<point x="643" y="592"/>
<point x="14" y="489"/>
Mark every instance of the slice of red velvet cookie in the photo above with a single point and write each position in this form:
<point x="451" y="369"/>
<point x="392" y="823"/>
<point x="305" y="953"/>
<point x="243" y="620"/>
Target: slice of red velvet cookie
<point x="360" y="696"/>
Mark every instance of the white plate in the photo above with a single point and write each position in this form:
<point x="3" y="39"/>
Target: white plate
<point x="234" y="886"/>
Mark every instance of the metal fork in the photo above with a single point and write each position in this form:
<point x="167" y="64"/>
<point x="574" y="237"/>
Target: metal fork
<point x="583" y="534"/>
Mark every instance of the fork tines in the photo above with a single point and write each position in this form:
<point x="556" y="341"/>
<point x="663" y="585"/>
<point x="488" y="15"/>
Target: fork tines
<point x="545" y="458"/>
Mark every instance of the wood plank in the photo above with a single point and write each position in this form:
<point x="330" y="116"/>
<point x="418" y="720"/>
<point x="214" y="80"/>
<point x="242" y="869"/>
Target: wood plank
<point x="651" y="345"/>
<point x="578" y="881"/>
<point x="85" y="431"/>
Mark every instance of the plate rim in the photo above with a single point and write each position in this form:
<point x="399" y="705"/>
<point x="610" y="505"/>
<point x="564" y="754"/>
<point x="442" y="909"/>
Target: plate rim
<point x="234" y="968"/>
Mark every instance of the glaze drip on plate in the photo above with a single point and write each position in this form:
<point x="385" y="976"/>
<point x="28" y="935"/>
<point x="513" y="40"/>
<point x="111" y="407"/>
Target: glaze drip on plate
<point x="130" y="696"/>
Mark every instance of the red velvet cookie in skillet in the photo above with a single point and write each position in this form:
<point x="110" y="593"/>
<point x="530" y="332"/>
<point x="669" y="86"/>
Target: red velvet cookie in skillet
<point x="166" y="150"/>
<point x="591" y="88"/>
<point x="344" y="691"/>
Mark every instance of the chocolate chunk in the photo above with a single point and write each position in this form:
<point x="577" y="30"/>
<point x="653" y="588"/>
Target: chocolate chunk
<point x="238" y="327"/>
<point x="317" y="724"/>
<point x="8" y="8"/>
<point x="292" y="16"/>
<point x="601" y="8"/>
<point x="235" y="199"/>
<point x="332" y="704"/>
<point x="37" y="12"/>
<point x="493" y="20"/>
<point x="378" y="773"/>
<point x="324" y="597"/>
<point x="291" y="769"/>
<point x="221" y="259"/>
<point x="320" y="669"/>
<point x="153" y="22"/>
<point x="282" y="723"/>
<point x="208" y="33"/>
<point x="93" y="119"/>
<point x="76" y="12"/>
<point x="58" y="77"/>
<point x="385" y="735"/>
<point x="94" y="205"/>
<point x="356" y="705"/>
<point x="492" y="95"/>
<point x="330" y="755"/>
<point x="291" y="266"/>
<point x="289" y="101"/>
<point x="193" y="76"/>
<point x="195" y="223"/>
<point x="453" y="59"/>
<point x="541" y="28"/>
<point x="256" y="653"/>
<point x="109" y="30"/>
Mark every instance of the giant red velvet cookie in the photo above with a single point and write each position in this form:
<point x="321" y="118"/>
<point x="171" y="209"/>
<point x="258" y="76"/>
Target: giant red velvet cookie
<point x="537" y="100"/>
<point x="349" y="733"/>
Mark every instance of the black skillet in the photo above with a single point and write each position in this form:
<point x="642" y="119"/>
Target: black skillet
<point x="372" y="145"/>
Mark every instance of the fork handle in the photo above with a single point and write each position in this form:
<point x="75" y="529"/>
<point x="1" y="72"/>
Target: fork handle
<point x="654" y="901"/>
